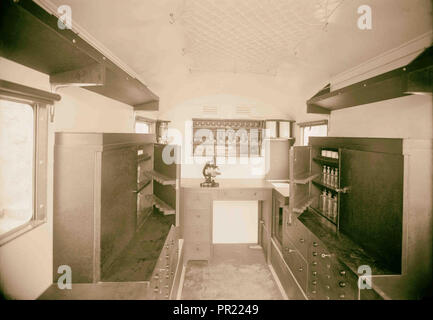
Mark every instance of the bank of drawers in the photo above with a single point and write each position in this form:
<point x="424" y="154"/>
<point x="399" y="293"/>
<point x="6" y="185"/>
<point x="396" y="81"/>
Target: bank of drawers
<point x="328" y="278"/>
<point x="197" y="213"/>
<point x="318" y="272"/>
<point x="165" y="269"/>
<point x="296" y="263"/>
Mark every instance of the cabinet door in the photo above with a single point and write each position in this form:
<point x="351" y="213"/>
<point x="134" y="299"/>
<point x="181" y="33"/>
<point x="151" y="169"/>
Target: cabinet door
<point x="299" y="169"/>
<point x="118" y="202"/>
<point x="371" y="211"/>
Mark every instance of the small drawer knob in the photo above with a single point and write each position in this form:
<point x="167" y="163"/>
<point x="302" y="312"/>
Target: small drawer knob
<point x="314" y="263"/>
<point x="342" y="272"/>
<point x="314" y="282"/>
<point x="327" y="287"/>
<point x="342" y="284"/>
<point x="314" y="273"/>
<point x="301" y="269"/>
<point x="314" y="292"/>
<point x="342" y="296"/>
<point x="314" y="254"/>
<point x="301" y="240"/>
<point x="315" y="244"/>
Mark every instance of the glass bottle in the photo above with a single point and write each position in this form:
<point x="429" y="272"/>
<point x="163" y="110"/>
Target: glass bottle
<point x="336" y="178"/>
<point x="334" y="208"/>
<point x="329" y="209"/>
<point x="322" y="201"/>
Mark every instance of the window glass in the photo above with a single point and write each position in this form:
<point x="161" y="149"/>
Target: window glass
<point x="16" y="164"/>
<point x="314" y="131"/>
<point x="142" y="127"/>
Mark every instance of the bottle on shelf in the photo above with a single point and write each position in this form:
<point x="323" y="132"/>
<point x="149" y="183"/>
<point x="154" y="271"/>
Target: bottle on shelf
<point x="329" y="205"/>
<point x="328" y="175"/>
<point x="334" y="208"/>
<point x="322" y="201"/>
<point x="336" y="178"/>
<point x="324" y="174"/>
<point x="331" y="177"/>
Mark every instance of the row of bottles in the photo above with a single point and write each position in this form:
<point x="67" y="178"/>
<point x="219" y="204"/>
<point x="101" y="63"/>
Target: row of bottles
<point x="328" y="204"/>
<point x="330" y="176"/>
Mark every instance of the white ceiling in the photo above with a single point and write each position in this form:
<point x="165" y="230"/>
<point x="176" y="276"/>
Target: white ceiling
<point x="283" y="38"/>
<point x="253" y="36"/>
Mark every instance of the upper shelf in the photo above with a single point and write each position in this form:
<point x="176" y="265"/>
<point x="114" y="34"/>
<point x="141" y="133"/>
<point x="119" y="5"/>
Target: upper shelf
<point x="415" y="78"/>
<point x="30" y="36"/>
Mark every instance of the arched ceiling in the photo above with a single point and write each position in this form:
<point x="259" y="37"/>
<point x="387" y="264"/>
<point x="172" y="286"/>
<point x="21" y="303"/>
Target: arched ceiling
<point x="166" y="40"/>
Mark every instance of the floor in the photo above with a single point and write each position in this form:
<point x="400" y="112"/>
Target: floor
<point x="236" y="271"/>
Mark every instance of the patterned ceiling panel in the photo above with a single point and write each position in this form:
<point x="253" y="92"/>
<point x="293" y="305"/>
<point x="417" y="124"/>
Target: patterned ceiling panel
<point x="253" y="36"/>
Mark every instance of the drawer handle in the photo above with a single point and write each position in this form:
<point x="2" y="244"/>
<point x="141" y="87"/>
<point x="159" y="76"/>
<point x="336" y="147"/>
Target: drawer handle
<point x="301" y="240"/>
<point x="342" y="284"/>
<point x="301" y="269"/>
<point x="314" y="282"/>
<point x="315" y="244"/>
<point x="314" y="263"/>
<point x="325" y="255"/>
<point x="342" y="272"/>
<point x="314" y="273"/>
<point x="314" y="254"/>
<point x="342" y="296"/>
<point x="290" y="250"/>
<point x="313" y="292"/>
<point x="327" y="287"/>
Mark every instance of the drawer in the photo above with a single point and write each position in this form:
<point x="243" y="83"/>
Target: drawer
<point x="198" y="250"/>
<point x="300" y="238"/>
<point x="296" y="263"/>
<point x="197" y="217"/>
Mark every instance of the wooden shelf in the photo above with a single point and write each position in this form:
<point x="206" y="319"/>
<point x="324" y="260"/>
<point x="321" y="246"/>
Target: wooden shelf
<point x="305" y="177"/>
<point x="145" y="157"/>
<point x="162" y="179"/>
<point x="321" y="214"/>
<point x="162" y="206"/>
<point x="326" y="160"/>
<point x="29" y="34"/>
<point x="416" y="77"/>
<point x="303" y="204"/>
<point x="320" y="183"/>
<point x="143" y="185"/>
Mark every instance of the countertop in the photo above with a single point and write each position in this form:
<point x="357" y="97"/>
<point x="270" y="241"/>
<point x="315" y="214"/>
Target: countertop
<point x="347" y="251"/>
<point x="228" y="184"/>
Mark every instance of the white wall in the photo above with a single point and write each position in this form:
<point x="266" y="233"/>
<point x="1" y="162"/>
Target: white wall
<point x="266" y="97"/>
<point x="26" y="262"/>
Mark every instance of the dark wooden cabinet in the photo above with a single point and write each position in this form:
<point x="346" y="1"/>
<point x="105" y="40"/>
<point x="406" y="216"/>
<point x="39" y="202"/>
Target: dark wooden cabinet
<point x="105" y="187"/>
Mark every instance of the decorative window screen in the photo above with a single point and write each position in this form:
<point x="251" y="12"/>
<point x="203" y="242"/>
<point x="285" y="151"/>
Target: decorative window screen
<point x="227" y="137"/>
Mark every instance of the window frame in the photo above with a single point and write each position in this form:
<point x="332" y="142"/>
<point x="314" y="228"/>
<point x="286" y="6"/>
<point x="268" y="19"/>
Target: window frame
<point x="310" y="124"/>
<point x="150" y="122"/>
<point x="40" y="101"/>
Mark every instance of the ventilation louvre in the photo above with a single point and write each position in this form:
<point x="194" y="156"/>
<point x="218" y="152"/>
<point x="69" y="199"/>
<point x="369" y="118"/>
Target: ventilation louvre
<point x="209" y="110"/>
<point x="243" y="110"/>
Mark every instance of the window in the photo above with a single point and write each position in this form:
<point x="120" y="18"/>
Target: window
<point x="224" y="138"/>
<point x="23" y="158"/>
<point x="313" y="129"/>
<point x="16" y="164"/>
<point x="144" y="125"/>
